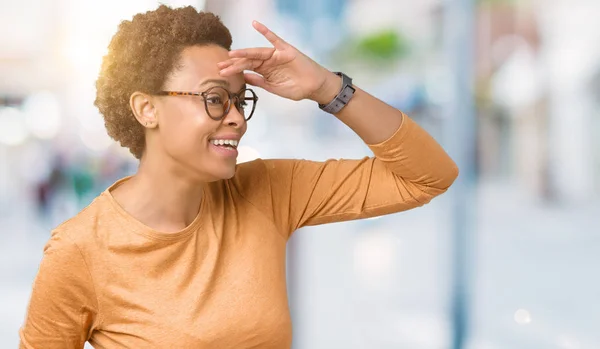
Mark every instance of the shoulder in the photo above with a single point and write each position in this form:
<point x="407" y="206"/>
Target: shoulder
<point x="256" y="180"/>
<point x="265" y="166"/>
<point x="250" y="167"/>
<point x="81" y="230"/>
<point x="261" y="172"/>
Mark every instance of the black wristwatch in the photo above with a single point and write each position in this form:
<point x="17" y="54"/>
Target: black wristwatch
<point x="342" y="98"/>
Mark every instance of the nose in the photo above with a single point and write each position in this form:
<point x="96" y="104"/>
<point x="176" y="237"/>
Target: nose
<point x="234" y="118"/>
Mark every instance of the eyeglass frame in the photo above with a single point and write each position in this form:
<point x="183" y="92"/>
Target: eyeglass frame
<point x="230" y="94"/>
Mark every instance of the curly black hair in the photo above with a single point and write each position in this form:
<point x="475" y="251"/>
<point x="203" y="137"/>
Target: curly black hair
<point x="141" y="55"/>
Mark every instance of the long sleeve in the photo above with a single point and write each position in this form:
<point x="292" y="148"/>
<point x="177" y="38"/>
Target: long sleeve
<point x="407" y="170"/>
<point x="63" y="304"/>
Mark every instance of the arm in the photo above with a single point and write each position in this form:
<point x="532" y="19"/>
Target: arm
<point x="373" y="120"/>
<point x="413" y="154"/>
<point x="63" y="307"/>
<point x="408" y="170"/>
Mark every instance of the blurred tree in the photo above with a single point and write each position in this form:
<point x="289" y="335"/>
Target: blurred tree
<point x="373" y="51"/>
<point x="387" y="45"/>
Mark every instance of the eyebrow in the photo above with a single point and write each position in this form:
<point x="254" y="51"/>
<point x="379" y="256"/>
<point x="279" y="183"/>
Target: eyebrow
<point x="215" y="81"/>
<point x="220" y="82"/>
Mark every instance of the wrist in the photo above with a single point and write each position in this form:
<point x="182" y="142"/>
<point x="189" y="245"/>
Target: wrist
<point x="329" y="89"/>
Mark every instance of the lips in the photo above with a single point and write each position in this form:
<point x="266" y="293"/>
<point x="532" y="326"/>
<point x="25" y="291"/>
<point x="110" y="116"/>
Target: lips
<point x="225" y="144"/>
<point x="224" y="147"/>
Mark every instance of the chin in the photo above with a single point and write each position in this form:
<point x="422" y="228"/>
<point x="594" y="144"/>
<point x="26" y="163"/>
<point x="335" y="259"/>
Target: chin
<point x="223" y="174"/>
<point x="229" y="174"/>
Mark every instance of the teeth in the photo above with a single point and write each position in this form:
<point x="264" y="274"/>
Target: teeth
<point x="230" y="142"/>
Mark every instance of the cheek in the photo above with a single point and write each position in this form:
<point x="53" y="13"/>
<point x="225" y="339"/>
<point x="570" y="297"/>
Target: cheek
<point x="186" y="131"/>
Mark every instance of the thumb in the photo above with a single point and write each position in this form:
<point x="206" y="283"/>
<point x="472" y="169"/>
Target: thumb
<point x="255" y="80"/>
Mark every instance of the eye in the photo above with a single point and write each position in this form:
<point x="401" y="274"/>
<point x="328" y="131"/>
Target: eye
<point x="214" y="99"/>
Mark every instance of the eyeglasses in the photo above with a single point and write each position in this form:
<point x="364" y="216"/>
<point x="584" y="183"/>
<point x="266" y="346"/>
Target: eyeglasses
<point x="218" y="101"/>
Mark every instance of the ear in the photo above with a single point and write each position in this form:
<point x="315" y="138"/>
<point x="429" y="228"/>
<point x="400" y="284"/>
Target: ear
<point x="143" y="108"/>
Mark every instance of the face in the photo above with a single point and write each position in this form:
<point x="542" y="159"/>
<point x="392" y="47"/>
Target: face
<point x="186" y="133"/>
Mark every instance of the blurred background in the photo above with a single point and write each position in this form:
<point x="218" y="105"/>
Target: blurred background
<point x="505" y="260"/>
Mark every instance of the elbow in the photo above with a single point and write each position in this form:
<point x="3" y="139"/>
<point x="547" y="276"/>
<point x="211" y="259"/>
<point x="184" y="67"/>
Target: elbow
<point x="444" y="179"/>
<point x="447" y="177"/>
<point x="452" y="175"/>
<point x="426" y="192"/>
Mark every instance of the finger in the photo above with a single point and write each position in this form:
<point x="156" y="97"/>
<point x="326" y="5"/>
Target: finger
<point x="255" y="80"/>
<point x="241" y="65"/>
<point x="263" y="53"/>
<point x="227" y="63"/>
<point x="275" y="40"/>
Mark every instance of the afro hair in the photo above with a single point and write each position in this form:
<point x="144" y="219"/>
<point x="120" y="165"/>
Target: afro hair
<point x="141" y="55"/>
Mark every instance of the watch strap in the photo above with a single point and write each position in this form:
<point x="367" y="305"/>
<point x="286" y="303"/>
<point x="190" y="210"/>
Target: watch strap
<point x="340" y="101"/>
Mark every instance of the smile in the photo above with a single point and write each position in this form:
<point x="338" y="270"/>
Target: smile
<point x="227" y="143"/>
<point x="225" y="147"/>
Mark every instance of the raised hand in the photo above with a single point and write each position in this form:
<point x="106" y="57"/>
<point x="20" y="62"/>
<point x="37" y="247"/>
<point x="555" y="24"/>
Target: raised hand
<point x="282" y="70"/>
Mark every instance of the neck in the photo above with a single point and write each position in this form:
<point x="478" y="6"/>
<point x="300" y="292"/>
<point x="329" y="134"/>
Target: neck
<point x="161" y="195"/>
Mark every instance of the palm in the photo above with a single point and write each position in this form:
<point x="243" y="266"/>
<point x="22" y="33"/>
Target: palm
<point x="281" y="69"/>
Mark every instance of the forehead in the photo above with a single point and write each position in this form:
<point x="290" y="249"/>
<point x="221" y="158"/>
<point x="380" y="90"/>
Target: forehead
<point x="198" y="64"/>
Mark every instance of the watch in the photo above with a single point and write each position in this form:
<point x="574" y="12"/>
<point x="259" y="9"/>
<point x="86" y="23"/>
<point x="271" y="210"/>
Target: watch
<point x="340" y="101"/>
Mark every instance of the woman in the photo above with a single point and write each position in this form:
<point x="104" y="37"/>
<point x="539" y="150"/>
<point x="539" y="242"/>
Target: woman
<point x="190" y="251"/>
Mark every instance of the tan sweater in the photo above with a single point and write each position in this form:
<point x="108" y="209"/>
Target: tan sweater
<point x="219" y="283"/>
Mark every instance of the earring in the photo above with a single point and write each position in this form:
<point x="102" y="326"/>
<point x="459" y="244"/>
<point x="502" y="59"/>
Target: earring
<point x="146" y="124"/>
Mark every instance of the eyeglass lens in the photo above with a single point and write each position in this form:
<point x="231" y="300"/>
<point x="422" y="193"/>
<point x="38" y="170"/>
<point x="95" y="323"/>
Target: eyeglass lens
<point x="218" y="102"/>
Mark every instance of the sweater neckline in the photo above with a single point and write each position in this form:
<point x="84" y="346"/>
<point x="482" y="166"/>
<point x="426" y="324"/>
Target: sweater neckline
<point x="142" y="229"/>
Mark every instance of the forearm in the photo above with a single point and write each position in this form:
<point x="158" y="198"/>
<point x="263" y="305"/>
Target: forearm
<point x="373" y="120"/>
